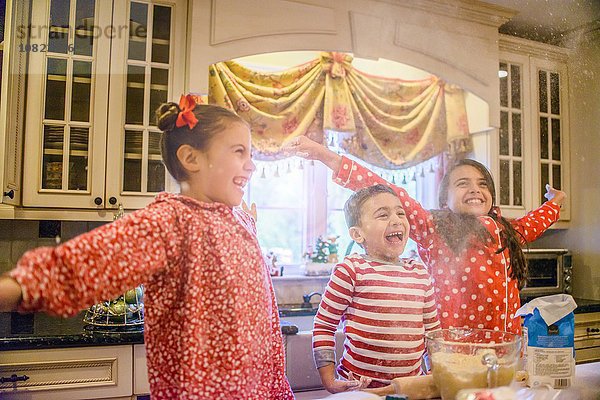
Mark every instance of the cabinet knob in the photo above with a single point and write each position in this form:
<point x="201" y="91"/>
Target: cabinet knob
<point x="112" y="200"/>
<point x="10" y="194"/>
<point x="98" y="201"/>
<point x="13" y="378"/>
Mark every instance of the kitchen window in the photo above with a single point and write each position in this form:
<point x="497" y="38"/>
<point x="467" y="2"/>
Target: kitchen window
<point x="297" y="202"/>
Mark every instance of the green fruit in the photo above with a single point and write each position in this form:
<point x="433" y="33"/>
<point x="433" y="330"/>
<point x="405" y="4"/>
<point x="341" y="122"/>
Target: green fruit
<point x="118" y="308"/>
<point x="134" y="296"/>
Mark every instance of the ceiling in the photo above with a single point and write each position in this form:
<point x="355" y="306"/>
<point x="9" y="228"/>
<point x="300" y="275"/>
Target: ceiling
<point x="549" y="21"/>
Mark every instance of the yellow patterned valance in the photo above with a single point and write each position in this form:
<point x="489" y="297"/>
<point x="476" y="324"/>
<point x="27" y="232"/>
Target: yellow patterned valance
<point x="390" y="123"/>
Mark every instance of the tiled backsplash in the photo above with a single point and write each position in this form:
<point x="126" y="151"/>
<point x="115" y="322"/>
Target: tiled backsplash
<point x="18" y="236"/>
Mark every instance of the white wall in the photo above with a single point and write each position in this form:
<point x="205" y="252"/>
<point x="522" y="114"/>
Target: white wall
<point x="583" y="236"/>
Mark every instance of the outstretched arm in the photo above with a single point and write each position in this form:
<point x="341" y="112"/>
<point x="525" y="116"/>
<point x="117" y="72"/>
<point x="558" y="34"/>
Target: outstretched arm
<point x="532" y="225"/>
<point x="354" y="176"/>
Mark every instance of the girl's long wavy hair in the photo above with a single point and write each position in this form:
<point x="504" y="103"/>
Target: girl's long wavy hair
<point x="454" y="226"/>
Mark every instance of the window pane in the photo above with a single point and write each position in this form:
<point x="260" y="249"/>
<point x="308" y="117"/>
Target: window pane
<point x="554" y="93"/>
<point x="556" y="181"/>
<point x="55" y="89"/>
<point x="336" y="225"/>
<point x="159" y="89"/>
<point x="286" y="191"/>
<point x="543" y="91"/>
<point x="280" y="231"/>
<point x="555" y="139"/>
<point x="503" y="86"/>
<point x="58" y="33"/>
<point x="504" y="182"/>
<point x="515" y="86"/>
<point x="134" y="113"/>
<point x="161" y="34"/>
<point x="156" y="169"/>
<point x="516" y="135"/>
<point x="53" y="157"/>
<point x="132" y="167"/>
<point x="78" y="158"/>
<point x="138" y="31"/>
<point x="84" y="31"/>
<point x="82" y="86"/>
<point x="517" y="184"/>
<point x="504" y="133"/>
<point x="544" y="179"/>
<point x="336" y="196"/>
<point x="544" y="138"/>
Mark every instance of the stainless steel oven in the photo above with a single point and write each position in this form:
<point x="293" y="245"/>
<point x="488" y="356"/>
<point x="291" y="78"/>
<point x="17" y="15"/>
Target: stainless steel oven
<point x="549" y="272"/>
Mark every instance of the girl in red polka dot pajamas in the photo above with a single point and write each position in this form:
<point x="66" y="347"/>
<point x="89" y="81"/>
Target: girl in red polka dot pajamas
<point x="473" y="253"/>
<point x="211" y="324"/>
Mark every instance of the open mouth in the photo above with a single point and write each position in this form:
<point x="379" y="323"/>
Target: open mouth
<point x="395" y="237"/>
<point x="474" y="201"/>
<point x="240" y="181"/>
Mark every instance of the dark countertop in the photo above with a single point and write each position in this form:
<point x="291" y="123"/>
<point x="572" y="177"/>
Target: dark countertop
<point x="586" y="306"/>
<point x="74" y="335"/>
<point x="583" y="305"/>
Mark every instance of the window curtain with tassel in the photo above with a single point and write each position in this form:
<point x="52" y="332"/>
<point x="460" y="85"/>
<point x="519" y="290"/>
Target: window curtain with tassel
<point x="388" y="122"/>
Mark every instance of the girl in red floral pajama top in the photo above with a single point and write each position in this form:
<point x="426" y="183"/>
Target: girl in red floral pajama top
<point x="211" y="325"/>
<point x="474" y="254"/>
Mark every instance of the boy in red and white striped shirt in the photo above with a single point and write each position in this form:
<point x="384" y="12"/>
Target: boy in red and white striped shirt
<point x="386" y="303"/>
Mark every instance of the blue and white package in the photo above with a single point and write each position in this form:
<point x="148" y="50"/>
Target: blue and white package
<point x="548" y="337"/>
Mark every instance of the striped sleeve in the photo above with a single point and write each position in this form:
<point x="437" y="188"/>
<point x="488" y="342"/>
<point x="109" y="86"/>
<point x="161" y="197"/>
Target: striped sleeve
<point x="430" y="317"/>
<point x="334" y="302"/>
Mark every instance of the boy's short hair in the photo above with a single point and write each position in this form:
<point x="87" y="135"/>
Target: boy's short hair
<point x="353" y="206"/>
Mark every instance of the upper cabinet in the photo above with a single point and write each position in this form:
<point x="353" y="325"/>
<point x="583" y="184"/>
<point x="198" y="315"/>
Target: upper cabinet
<point x="532" y="145"/>
<point x="97" y="72"/>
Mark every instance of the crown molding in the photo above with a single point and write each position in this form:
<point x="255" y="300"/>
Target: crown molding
<point x="529" y="47"/>
<point x="468" y="10"/>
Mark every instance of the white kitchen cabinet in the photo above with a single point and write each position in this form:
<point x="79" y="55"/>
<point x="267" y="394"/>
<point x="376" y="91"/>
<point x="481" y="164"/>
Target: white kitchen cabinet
<point x="12" y="89"/>
<point x="103" y="372"/>
<point x="99" y="71"/>
<point x="532" y="144"/>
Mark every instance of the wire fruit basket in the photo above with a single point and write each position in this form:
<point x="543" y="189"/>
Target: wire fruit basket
<point x="123" y="314"/>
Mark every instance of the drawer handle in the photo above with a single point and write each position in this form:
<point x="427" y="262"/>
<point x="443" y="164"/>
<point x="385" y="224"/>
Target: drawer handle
<point x="13" y="378"/>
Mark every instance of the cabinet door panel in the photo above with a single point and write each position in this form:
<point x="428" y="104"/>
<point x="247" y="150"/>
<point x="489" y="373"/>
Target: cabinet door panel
<point x="147" y="70"/>
<point x="65" y="139"/>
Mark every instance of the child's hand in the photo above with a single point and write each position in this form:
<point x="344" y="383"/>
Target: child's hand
<point x="554" y="195"/>
<point x="341" y="385"/>
<point x="10" y="294"/>
<point x="251" y="210"/>
<point x="304" y="147"/>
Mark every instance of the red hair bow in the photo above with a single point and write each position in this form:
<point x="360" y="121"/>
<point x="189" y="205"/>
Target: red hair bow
<point x="186" y="115"/>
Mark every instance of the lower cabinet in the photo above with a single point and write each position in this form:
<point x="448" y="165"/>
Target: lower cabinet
<point x="587" y="337"/>
<point x="101" y="372"/>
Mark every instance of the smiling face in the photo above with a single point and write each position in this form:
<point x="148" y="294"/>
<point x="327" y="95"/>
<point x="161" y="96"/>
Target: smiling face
<point x="224" y="168"/>
<point x="469" y="191"/>
<point x="383" y="228"/>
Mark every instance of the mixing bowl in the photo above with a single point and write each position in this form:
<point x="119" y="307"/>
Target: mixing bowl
<point x="472" y="358"/>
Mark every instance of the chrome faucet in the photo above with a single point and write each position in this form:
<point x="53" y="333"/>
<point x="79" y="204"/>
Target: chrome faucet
<point x="306" y="299"/>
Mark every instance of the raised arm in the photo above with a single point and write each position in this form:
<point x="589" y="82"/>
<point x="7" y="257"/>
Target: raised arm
<point x="97" y="265"/>
<point x="536" y="222"/>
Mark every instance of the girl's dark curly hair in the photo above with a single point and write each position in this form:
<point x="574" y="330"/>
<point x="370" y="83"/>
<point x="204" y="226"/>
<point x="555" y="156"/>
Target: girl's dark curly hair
<point x="452" y="226"/>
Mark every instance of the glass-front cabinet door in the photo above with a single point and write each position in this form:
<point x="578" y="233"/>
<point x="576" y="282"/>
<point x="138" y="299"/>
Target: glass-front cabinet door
<point x="147" y="66"/>
<point x="97" y="71"/>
